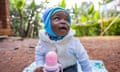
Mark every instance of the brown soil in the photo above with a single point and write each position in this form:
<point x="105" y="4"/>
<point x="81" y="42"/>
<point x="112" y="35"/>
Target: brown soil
<point x="17" y="53"/>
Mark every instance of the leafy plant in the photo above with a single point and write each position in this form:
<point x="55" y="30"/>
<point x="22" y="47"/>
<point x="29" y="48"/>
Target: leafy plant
<point x="25" y="19"/>
<point x="62" y="4"/>
<point x="112" y="25"/>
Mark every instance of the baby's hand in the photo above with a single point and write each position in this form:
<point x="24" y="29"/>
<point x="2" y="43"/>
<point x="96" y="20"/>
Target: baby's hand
<point x="39" y="69"/>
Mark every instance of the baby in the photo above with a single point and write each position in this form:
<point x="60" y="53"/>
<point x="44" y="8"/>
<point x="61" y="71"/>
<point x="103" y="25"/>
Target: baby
<point x="59" y="37"/>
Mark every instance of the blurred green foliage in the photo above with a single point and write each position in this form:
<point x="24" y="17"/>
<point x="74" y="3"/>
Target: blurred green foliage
<point x="86" y="21"/>
<point x="114" y="29"/>
<point x="95" y="29"/>
<point x="25" y="18"/>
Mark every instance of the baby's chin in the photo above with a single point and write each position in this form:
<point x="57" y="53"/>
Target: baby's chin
<point x="62" y="33"/>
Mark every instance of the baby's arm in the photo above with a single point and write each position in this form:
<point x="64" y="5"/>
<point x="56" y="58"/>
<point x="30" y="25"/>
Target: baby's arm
<point x="39" y="56"/>
<point x="82" y="57"/>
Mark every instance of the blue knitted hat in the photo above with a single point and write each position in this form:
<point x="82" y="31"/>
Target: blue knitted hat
<point x="46" y="19"/>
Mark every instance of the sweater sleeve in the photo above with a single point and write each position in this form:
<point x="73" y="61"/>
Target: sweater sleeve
<point x="39" y="54"/>
<point x="82" y="57"/>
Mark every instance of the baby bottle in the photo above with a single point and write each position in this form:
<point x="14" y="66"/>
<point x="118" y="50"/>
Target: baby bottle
<point x="51" y="63"/>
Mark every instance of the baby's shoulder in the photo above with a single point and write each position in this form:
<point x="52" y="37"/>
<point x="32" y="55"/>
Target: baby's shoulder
<point x="75" y="39"/>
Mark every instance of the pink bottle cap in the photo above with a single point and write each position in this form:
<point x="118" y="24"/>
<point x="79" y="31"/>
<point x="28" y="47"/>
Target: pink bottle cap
<point x="51" y="58"/>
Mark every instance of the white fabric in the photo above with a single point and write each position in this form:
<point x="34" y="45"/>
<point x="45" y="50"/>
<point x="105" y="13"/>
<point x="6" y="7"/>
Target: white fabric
<point x="69" y="50"/>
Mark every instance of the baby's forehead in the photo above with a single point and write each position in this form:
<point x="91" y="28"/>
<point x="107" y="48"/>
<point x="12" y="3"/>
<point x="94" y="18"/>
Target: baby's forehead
<point x="60" y="13"/>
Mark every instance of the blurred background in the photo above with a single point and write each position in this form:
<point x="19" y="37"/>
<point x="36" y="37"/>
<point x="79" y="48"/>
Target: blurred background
<point x="89" y="17"/>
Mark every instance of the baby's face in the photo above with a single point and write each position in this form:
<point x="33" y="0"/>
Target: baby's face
<point x="60" y="23"/>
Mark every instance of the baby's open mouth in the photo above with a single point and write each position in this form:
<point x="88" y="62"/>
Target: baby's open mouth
<point x="63" y="28"/>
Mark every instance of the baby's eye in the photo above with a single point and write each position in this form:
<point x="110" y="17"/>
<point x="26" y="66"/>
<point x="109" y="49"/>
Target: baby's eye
<point x="56" y="18"/>
<point x="67" y="19"/>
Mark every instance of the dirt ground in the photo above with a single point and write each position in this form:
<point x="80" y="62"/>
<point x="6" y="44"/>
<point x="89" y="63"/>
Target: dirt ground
<point x="17" y="53"/>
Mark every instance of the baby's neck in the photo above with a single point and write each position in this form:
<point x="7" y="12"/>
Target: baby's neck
<point x="55" y="37"/>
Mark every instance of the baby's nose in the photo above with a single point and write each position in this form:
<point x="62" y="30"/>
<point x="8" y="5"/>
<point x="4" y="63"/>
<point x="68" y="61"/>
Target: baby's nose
<point x="63" y="21"/>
